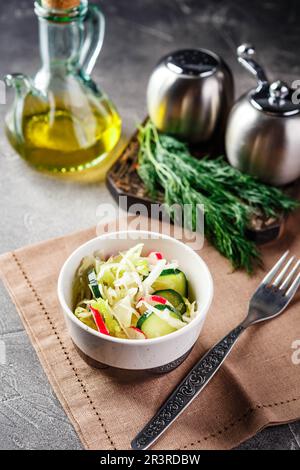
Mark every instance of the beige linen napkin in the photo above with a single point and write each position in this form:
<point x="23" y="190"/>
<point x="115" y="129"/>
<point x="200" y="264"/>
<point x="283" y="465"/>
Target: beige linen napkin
<point x="258" y="385"/>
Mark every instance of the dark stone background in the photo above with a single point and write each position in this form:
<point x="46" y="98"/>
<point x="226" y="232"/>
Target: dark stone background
<point x="34" y="207"/>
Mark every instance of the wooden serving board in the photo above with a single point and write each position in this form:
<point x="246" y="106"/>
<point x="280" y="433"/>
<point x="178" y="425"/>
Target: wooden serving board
<point x="123" y="180"/>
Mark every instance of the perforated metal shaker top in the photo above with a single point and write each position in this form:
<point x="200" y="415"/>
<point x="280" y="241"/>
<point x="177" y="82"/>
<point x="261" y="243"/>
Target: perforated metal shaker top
<point x="192" y="62"/>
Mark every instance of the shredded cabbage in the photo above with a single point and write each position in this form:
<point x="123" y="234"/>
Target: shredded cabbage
<point x="154" y="274"/>
<point x="125" y="283"/>
<point x="123" y="311"/>
<point x="166" y="315"/>
<point x="86" y="317"/>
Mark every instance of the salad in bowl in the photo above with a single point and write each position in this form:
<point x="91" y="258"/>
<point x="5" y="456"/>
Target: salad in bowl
<point x="133" y="294"/>
<point x="135" y="299"/>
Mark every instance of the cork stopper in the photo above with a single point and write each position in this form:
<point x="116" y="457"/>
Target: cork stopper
<point x="61" y="4"/>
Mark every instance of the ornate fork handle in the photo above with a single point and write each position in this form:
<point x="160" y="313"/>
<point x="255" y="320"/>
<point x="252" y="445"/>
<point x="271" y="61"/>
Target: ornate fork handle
<point x="187" y="390"/>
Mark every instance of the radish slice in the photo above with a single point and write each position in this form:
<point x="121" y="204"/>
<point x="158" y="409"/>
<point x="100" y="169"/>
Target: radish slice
<point x="152" y="300"/>
<point x="135" y="333"/>
<point x="99" y="321"/>
<point x="155" y="256"/>
<point x="155" y="299"/>
<point x="158" y="299"/>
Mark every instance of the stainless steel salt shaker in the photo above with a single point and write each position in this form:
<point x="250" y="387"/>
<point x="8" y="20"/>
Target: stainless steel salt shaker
<point x="189" y="95"/>
<point x="263" y="131"/>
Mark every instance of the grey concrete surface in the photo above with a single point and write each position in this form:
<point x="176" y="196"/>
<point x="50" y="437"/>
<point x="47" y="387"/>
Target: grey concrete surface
<point x="34" y="207"/>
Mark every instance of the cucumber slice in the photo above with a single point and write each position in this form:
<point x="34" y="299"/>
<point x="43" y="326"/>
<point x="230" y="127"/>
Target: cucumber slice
<point x="93" y="285"/>
<point x="153" y="326"/>
<point x="172" y="279"/>
<point x="174" y="313"/>
<point x="174" y="298"/>
<point x="142" y="319"/>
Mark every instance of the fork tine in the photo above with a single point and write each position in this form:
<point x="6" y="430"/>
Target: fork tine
<point x="268" y="278"/>
<point x="294" y="287"/>
<point x="288" y="279"/>
<point x="283" y="271"/>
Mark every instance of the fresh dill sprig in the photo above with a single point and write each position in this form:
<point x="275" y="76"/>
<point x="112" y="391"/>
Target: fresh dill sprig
<point x="230" y="198"/>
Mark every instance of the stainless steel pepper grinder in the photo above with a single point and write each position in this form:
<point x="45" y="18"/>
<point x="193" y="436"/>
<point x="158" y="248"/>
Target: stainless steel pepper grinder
<point x="190" y="93"/>
<point x="263" y="130"/>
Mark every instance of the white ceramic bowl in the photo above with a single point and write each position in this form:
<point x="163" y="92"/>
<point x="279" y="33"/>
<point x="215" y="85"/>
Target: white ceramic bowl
<point x="160" y="354"/>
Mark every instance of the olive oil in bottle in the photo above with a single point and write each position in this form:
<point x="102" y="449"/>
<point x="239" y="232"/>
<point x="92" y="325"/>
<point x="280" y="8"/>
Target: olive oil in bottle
<point x="61" y="121"/>
<point x="61" y="141"/>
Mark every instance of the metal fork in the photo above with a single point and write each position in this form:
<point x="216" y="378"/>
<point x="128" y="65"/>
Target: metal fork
<point x="269" y="300"/>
